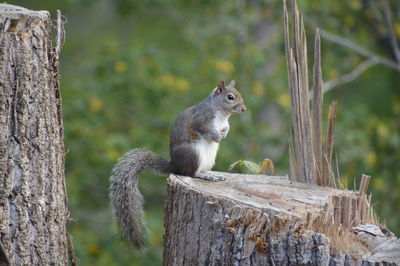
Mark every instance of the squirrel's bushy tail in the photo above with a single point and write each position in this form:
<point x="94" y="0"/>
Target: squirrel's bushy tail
<point x="126" y="200"/>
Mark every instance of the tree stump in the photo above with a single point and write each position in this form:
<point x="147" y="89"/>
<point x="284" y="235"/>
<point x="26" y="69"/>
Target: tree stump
<point x="267" y="220"/>
<point x="33" y="199"/>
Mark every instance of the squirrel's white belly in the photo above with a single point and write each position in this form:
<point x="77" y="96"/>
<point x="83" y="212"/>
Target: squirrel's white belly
<point x="207" y="151"/>
<point x="221" y="122"/>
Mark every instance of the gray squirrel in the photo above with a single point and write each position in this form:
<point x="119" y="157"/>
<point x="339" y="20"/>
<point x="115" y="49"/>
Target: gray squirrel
<point x="194" y="143"/>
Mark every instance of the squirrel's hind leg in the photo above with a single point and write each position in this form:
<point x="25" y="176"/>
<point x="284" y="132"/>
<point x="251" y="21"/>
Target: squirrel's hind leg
<point x="184" y="161"/>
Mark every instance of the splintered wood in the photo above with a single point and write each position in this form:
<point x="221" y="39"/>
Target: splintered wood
<point x="317" y="109"/>
<point x="328" y="178"/>
<point x="364" y="212"/>
<point x="265" y="220"/>
<point x="296" y="56"/>
<point x="308" y="162"/>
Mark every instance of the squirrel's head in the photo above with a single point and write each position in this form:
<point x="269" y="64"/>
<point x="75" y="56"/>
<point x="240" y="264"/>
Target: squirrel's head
<point x="229" y="98"/>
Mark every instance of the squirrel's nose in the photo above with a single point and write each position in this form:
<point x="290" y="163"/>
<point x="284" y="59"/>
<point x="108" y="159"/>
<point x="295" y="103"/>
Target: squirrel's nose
<point x="244" y="108"/>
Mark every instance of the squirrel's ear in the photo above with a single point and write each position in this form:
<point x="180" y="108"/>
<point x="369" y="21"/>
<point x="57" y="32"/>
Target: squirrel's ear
<point x="221" y="86"/>
<point x="232" y="84"/>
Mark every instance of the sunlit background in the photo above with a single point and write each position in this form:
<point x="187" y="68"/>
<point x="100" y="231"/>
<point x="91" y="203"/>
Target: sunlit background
<point x="129" y="67"/>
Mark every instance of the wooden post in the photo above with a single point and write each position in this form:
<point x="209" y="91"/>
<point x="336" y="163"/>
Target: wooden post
<point x="266" y="220"/>
<point x="33" y="199"/>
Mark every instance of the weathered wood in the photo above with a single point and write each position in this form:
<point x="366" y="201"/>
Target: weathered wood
<point x="264" y="220"/>
<point x="296" y="57"/>
<point x="363" y="213"/>
<point x="317" y="102"/>
<point x="327" y="163"/>
<point x="33" y="199"/>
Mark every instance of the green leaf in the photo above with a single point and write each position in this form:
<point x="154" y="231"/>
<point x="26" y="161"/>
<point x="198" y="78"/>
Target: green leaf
<point x="233" y="165"/>
<point x="251" y="167"/>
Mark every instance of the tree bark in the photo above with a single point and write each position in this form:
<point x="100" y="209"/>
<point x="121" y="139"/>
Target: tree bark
<point x="33" y="199"/>
<point x="266" y="220"/>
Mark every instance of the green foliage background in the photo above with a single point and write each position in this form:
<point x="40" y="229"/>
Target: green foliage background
<point x="129" y="67"/>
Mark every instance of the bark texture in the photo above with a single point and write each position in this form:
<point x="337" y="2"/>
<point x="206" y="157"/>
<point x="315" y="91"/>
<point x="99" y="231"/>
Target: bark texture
<point x="33" y="199"/>
<point x="264" y="220"/>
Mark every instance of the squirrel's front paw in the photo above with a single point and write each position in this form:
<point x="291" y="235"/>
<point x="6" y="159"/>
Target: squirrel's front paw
<point x="224" y="132"/>
<point x="217" y="137"/>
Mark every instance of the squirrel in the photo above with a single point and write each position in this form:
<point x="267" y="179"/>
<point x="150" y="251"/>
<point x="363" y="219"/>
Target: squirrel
<point x="194" y="142"/>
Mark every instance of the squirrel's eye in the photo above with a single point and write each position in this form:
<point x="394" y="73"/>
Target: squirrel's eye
<point x="230" y="97"/>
